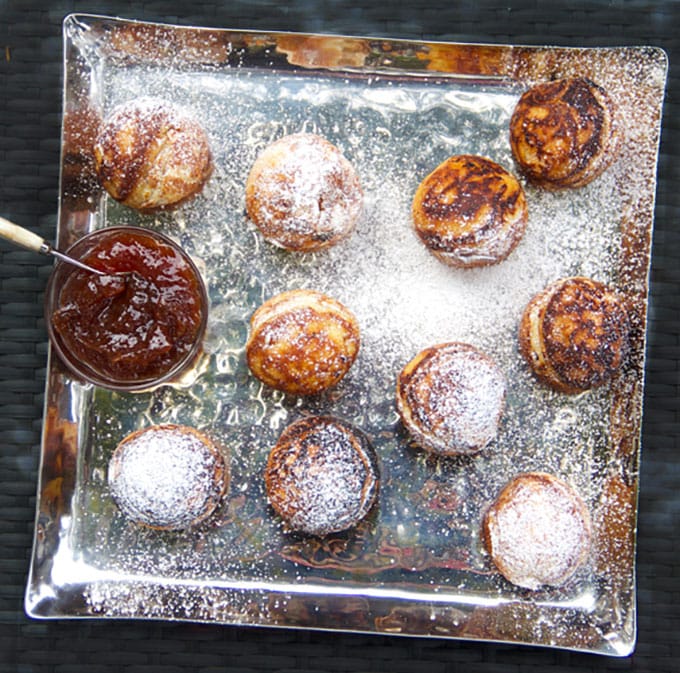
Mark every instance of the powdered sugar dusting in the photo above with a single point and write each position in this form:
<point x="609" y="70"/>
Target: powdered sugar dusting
<point x="151" y="153"/>
<point x="539" y="532"/>
<point x="166" y="477"/>
<point x="329" y="485"/>
<point x="453" y="399"/>
<point x="302" y="193"/>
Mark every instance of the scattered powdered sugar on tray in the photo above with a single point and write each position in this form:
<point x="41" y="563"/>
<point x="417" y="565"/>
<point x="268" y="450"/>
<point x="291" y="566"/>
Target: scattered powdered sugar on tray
<point x="425" y="531"/>
<point x="404" y="299"/>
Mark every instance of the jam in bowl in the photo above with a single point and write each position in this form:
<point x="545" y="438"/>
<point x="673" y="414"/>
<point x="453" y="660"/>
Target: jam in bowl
<point x="140" y="324"/>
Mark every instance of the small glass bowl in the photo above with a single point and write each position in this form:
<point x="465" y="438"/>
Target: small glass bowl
<point x="102" y="240"/>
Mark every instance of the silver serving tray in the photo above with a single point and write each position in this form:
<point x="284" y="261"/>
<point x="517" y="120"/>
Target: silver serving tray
<point x="416" y="566"/>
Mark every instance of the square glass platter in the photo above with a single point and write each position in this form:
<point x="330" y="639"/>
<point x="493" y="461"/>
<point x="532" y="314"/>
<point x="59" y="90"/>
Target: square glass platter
<point x="416" y="565"/>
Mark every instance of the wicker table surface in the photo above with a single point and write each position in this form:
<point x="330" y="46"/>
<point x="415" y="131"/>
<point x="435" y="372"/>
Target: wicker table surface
<point x="30" y="116"/>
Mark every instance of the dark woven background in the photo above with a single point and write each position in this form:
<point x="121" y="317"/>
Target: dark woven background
<point x="30" y="112"/>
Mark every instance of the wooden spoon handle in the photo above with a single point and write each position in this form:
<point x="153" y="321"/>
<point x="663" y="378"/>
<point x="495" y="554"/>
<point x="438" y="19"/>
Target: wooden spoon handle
<point x="23" y="237"/>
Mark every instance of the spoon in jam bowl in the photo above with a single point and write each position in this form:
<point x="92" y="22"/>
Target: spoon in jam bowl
<point x="141" y="326"/>
<point x="27" y="239"/>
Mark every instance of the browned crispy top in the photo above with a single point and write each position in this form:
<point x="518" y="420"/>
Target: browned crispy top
<point x="124" y="148"/>
<point x="561" y="132"/>
<point x="470" y="211"/>
<point x="463" y="198"/>
<point x="302" y="342"/>
<point x="149" y="155"/>
<point x="585" y="329"/>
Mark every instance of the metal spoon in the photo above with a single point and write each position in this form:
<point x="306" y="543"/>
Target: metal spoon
<point x="27" y="239"/>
